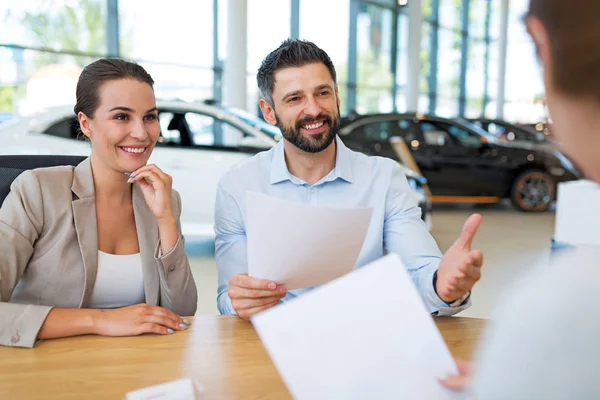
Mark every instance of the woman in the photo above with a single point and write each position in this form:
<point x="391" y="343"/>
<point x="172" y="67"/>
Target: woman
<point x="543" y="344"/>
<point x="97" y="249"/>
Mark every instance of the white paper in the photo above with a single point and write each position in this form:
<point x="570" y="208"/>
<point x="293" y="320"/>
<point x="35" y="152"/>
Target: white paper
<point x="300" y="245"/>
<point x="366" y="335"/>
<point x="578" y="213"/>
<point x="182" y="389"/>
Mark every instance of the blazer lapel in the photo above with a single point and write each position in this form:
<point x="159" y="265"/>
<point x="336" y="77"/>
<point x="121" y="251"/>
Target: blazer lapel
<point x="84" y="215"/>
<point x="148" y="236"/>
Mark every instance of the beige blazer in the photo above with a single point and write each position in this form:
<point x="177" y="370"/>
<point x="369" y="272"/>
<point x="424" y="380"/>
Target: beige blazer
<point x="49" y="251"/>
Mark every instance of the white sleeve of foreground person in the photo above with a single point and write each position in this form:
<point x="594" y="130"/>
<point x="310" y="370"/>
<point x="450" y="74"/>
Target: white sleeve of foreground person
<point x="544" y="341"/>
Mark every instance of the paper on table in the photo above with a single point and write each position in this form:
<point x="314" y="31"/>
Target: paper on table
<point x="366" y="335"/>
<point x="300" y="245"/>
<point x="182" y="389"/>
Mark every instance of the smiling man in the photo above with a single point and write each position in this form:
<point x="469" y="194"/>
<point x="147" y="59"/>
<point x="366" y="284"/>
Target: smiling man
<point x="311" y="165"/>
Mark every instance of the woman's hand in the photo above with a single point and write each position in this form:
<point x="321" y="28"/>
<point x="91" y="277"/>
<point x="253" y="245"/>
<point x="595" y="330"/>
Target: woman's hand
<point x="138" y="319"/>
<point x="156" y="187"/>
<point x="158" y="197"/>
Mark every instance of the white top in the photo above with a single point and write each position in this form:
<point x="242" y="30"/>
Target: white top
<point x="544" y="342"/>
<point x="119" y="281"/>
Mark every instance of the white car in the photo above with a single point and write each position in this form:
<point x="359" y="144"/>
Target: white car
<point x="199" y="142"/>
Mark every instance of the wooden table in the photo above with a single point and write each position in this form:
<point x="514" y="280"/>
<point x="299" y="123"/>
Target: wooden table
<point x="223" y="353"/>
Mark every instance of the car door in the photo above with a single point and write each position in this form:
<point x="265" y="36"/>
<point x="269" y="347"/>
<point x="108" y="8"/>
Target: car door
<point x="197" y="149"/>
<point x="461" y="162"/>
<point x="60" y="137"/>
<point x="442" y="160"/>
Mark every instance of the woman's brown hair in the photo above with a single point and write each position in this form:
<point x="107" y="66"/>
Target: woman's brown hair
<point x="574" y="33"/>
<point x="99" y="72"/>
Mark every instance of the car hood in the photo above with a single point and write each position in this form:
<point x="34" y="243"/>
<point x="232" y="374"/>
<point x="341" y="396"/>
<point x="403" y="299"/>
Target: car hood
<point x="545" y="152"/>
<point x="521" y="144"/>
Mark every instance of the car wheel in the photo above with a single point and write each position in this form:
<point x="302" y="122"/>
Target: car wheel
<point x="533" y="191"/>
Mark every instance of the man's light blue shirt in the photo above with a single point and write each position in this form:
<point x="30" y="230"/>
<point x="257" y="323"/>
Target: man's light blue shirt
<point x="356" y="181"/>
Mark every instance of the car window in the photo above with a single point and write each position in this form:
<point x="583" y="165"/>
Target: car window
<point x="464" y="136"/>
<point x="495" y="129"/>
<point x="376" y="131"/>
<point x="434" y="136"/>
<point x="408" y="130"/>
<point x="509" y="132"/>
<point x="456" y="134"/>
<point x="189" y="129"/>
<point x="65" y="128"/>
<point x="169" y="135"/>
<point x="519" y="134"/>
<point x="202" y="129"/>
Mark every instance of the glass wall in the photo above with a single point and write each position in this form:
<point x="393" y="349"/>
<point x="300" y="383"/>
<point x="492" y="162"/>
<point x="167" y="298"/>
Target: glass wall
<point x="45" y="43"/>
<point x="43" y="46"/>
<point x="459" y="57"/>
<point x="375" y="75"/>
<point x="173" y="43"/>
<point x="525" y="100"/>
<point x="331" y="36"/>
<point x="264" y="38"/>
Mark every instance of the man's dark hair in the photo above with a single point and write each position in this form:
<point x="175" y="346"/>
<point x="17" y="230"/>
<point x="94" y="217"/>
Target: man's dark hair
<point x="291" y="53"/>
<point x="574" y="36"/>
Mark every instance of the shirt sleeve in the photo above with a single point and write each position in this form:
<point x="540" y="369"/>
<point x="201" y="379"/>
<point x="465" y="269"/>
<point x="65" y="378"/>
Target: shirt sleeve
<point x="543" y="342"/>
<point x="405" y="234"/>
<point x="21" y="224"/>
<point x="230" y="245"/>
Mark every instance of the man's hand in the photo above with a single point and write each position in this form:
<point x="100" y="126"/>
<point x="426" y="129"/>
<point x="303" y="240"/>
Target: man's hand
<point x="460" y="267"/>
<point x="250" y="296"/>
<point x="461" y="381"/>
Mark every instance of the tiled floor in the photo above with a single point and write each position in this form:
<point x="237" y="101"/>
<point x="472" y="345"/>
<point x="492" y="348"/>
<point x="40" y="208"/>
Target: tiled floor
<point x="511" y="243"/>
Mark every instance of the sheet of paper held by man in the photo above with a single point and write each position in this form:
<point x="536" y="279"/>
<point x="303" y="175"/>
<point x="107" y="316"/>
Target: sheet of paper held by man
<point x="366" y="335"/>
<point x="300" y="245"/>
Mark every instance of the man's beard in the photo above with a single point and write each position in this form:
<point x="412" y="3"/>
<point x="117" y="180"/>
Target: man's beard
<point x="312" y="143"/>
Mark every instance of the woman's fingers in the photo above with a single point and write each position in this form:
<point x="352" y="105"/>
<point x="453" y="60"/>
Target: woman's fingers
<point x="150" y="327"/>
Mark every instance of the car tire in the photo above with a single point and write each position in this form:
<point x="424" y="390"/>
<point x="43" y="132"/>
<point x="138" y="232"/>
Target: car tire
<point x="533" y="191"/>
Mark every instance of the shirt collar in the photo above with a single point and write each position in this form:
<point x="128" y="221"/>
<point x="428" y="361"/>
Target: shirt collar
<point x="342" y="170"/>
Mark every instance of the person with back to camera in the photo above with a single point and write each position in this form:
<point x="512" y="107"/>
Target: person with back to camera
<point x="544" y="342"/>
<point x="97" y="248"/>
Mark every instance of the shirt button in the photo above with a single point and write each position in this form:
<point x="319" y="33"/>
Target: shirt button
<point x="312" y="191"/>
<point x="171" y="268"/>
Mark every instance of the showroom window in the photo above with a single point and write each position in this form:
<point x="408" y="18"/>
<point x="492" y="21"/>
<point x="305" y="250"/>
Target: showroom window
<point x="459" y="55"/>
<point x="327" y="35"/>
<point x="43" y="46"/>
<point x="45" y="43"/>
<point x="173" y="43"/>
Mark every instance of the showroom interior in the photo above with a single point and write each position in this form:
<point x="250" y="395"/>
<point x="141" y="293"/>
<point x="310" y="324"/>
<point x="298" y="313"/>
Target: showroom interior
<point x="451" y="91"/>
<point x="452" y="59"/>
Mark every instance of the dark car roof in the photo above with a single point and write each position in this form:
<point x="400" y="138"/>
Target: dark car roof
<point x="506" y="123"/>
<point x="350" y="122"/>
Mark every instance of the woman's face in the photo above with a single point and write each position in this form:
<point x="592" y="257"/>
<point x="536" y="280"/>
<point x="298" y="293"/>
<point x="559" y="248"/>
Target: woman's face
<point x="125" y="126"/>
<point x="573" y="117"/>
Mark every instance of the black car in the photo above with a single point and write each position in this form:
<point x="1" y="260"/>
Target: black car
<point x="509" y="132"/>
<point x="461" y="161"/>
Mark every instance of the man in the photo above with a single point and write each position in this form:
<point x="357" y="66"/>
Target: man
<point x="312" y="166"/>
